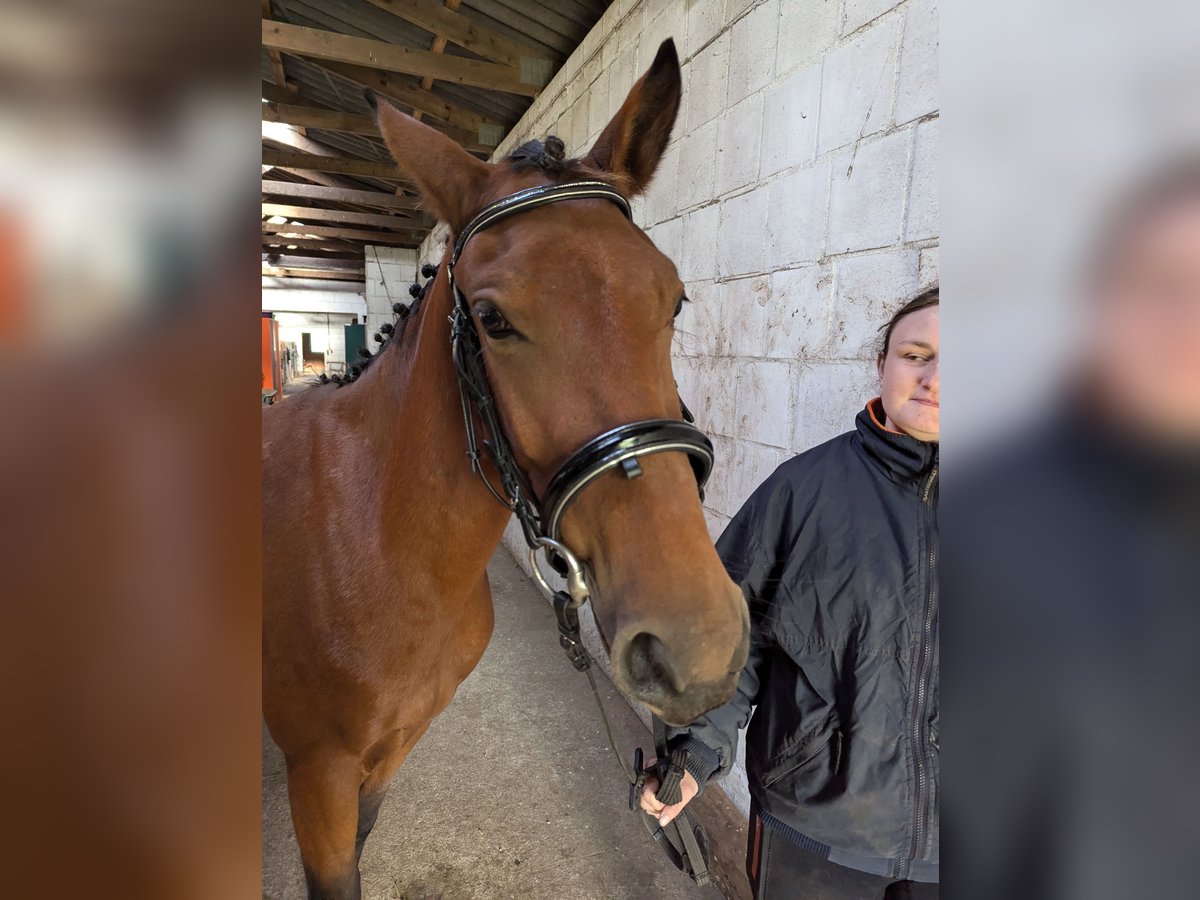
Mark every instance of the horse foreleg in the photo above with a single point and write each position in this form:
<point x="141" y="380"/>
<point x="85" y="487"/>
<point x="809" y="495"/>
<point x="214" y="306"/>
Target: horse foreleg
<point x="324" y="796"/>
<point x="374" y="788"/>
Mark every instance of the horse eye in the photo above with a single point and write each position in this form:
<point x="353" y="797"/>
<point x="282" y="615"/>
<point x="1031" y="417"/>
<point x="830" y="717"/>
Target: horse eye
<point x="679" y="306"/>
<point x="494" y="323"/>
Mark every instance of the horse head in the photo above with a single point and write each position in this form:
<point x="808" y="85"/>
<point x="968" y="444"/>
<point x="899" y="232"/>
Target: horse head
<point x="574" y="308"/>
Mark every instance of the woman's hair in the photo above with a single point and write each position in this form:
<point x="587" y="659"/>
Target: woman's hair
<point x="923" y="300"/>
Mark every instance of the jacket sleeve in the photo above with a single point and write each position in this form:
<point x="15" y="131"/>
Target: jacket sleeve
<point x="711" y="741"/>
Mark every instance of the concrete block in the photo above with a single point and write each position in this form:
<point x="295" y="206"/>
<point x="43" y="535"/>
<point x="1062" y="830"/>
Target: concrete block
<point x="665" y="20"/>
<point x="867" y="290"/>
<point x="739" y="133"/>
<point x="764" y="401"/>
<point x="796" y="216"/>
<point x="704" y="19"/>
<point x="622" y="76"/>
<point x="929" y="268"/>
<point x="923" y="194"/>
<point x="856" y="87"/>
<point x="745" y="313"/>
<point x="705" y="82"/>
<point x="800" y="315"/>
<point x="714" y="395"/>
<point x="662" y="197"/>
<point x="735" y="8"/>
<point x="859" y="12"/>
<point x="752" y="45"/>
<point x="700" y="243"/>
<point x="601" y="107"/>
<point x="609" y="48"/>
<point x="917" y="88"/>
<point x="629" y="32"/>
<point x="702" y="329"/>
<point x="807" y="29"/>
<point x="789" y="122"/>
<point x="668" y="237"/>
<point x="740" y="246"/>
<point x="590" y="70"/>
<point x="742" y="467"/>
<point x="697" y="162"/>
<point x="866" y="196"/>
<point x="828" y="397"/>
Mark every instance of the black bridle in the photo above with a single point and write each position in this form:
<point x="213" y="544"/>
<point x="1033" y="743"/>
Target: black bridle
<point x="541" y="518"/>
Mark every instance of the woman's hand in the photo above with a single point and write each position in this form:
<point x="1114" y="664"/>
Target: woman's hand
<point x="652" y="805"/>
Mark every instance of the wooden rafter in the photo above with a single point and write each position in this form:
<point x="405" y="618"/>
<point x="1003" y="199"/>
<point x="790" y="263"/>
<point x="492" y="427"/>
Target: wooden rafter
<point x="449" y="24"/>
<point x="274" y="56"/>
<point x="351" y="123"/>
<point x="339" y="216"/>
<point x="278" y="272"/>
<point x="409" y="95"/>
<point x="292" y="159"/>
<point x="380" y="199"/>
<point x="390" y="238"/>
<point x="317" y="44"/>
<point x="317" y="247"/>
<point x="299" y="261"/>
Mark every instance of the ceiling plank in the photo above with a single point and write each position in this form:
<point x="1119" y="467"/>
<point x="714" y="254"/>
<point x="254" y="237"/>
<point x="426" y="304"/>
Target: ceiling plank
<point x="291" y="159"/>
<point x="273" y="55"/>
<point x="315" y="117"/>
<point x="296" y="261"/>
<point x="445" y="22"/>
<point x="351" y="123"/>
<point x="312" y="42"/>
<point x="278" y="272"/>
<point x="389" y="238"/>
<point x="326" y="247"/>
<point x="337" y="195"/>
<point x="406" y="94"/>
<point x="339" y="216"/>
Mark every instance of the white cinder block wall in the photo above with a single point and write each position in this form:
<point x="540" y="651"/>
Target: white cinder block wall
<point x="798" y="198"/>
<point x="390" y="271"/>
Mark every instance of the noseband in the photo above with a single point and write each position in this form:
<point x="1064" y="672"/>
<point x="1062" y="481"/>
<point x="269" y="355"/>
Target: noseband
<point x="541" y="518"/>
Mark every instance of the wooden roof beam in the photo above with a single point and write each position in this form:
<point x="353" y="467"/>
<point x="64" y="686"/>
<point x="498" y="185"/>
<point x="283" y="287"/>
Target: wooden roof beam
<point x="389" y="238"/>
<point x="351" y="123"/>
<point x="293" y="159"/>
<point x="445" y="22"/>
<point x="317" y="44"/>
<point x="340" y="216"/>
<point x="404" y="93"/>
<point x="279" y="272"/>
<point x="380" y="199"/>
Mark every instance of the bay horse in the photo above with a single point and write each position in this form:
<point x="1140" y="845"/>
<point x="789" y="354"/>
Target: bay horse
<point x="376" y="532"/>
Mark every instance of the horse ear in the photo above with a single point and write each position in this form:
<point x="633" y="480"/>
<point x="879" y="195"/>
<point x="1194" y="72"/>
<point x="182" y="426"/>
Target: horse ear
<point x="449" y="179"/>
<point x="631" y="145"/>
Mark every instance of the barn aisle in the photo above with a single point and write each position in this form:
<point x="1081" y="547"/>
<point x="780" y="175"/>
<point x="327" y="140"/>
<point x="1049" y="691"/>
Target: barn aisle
<point x="512" y="793"/>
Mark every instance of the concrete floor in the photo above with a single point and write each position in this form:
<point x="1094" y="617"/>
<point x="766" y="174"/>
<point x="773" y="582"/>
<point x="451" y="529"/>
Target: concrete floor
<point x="513" y="791"/>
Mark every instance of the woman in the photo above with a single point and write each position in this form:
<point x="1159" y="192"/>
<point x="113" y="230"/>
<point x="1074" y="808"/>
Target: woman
<point x="836" y="553"/>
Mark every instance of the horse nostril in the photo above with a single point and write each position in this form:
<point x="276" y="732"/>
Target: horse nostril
<point x="647" y="663"/>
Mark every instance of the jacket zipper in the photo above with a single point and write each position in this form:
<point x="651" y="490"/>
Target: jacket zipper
<point x="924" y="675"/>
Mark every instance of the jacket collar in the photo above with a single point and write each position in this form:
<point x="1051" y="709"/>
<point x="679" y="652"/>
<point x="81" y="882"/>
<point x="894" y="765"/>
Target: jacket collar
<point x="904" y="459"/>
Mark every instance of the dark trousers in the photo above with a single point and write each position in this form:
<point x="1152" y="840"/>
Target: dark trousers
<point x="779" y="870"/>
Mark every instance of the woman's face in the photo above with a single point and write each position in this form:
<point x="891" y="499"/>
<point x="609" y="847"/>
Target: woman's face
<point x="908" y="376"/>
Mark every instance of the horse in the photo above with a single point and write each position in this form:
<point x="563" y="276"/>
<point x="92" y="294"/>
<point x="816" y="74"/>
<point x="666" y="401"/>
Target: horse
<point x="377" y="527"/>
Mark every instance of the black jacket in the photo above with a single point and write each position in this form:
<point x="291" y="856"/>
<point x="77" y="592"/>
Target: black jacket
<point x="837" y="554"/>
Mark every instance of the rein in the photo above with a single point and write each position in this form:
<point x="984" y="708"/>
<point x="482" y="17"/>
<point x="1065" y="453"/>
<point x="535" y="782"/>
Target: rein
<point x="541" y="518"/>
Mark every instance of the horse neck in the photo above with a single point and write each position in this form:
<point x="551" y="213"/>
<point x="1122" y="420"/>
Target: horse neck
<point x="417" y="434"/>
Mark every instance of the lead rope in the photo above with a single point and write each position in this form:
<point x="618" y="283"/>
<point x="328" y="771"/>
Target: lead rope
<point x="688" y="851"/>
